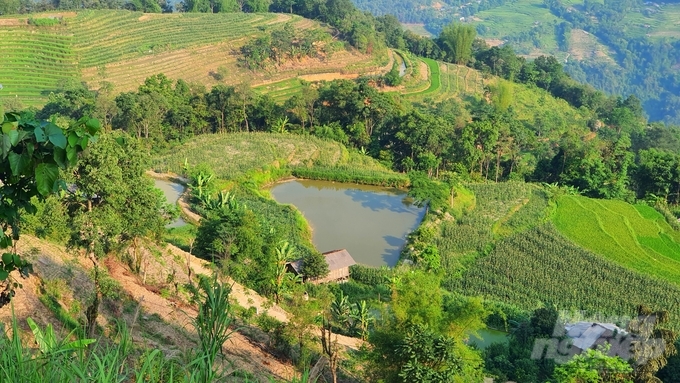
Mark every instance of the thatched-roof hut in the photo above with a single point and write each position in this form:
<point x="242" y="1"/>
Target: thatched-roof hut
<point x="338" y="261"/>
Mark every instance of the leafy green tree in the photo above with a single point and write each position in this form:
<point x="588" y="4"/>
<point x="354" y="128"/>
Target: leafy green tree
<point x="456" y="40"/>
<point x="32" y="154"/>
<point x="284" y="254"/>
<point x="594" y="366"/>
<point x="341" y="310"/>
<point x="362" y="318"/>
<point x="314" y="266"/>
<point x="417" y="299"/>
<point x="428" y="356"/>
<point x="112" y="203"/>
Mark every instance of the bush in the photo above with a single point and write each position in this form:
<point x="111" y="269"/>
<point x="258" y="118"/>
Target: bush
<point x="44" y="22"/>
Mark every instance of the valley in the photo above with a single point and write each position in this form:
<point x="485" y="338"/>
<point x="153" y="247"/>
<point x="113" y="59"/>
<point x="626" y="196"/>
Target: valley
<point x="176" y="190"/>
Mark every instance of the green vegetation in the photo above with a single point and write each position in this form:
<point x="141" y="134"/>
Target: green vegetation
<point x="475" y="148"/>
<point x="434" y="76"/>
<point x="75" y="358"/>
<point x="34" y="62"/>
<point x="100" y="36"/>
<point x="234" y="155"/>
<point x="618" y="231"/>
<point x="541" y="265"/>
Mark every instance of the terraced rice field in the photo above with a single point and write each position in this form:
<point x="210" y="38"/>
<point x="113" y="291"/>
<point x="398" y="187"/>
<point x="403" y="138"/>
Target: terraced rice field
<point x="636" y="237"/>
<point x="451" y="80"/>
<point x="102" y="37"/>
<point x="124" y="48"/>
<point x="282" y="90"/>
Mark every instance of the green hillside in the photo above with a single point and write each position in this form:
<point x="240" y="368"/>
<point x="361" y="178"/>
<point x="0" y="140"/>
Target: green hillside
<point x="508" y="250"/>
<point x="36" y="59"/>
<point x="541" y="266"/>
<point x="34" y="62"/>
<point x="636" y="237"/>
<point x="124" y="48"/>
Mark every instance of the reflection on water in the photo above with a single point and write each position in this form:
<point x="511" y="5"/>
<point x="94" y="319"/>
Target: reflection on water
<point x="370" y="222"/>
<point x="172" y="193"/>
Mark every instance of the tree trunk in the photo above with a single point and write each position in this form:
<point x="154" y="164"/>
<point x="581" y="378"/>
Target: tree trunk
<point x="92" y="311"/>
<point x="498" y="163"/>
<point x="245" y="116"/>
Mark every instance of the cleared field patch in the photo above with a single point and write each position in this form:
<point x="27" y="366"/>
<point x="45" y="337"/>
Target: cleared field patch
<point x="124" y="48"/>
<point x="662" y="22"/>
<point x="619" y="232"/>
<point x="514" y="17"/>
<point x="102" y="37"/>
<point x="418" y="29"/>
<point x="585" y="46"/>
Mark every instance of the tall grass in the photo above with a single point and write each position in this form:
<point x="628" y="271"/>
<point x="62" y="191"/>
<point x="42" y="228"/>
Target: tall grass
<point x="116" y="359"/>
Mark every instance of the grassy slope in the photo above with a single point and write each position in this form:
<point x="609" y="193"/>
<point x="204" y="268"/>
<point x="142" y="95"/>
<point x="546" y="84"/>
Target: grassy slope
<point x="636" y="237"/>
<point x="530" y="104"/>
<point x="660" y="23"/>
<point x="233" y="155"/>
<point x="124" y="48"/>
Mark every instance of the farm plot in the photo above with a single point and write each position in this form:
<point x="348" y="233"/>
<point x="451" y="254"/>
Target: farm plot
<point x="619" y="232"/>
<point x="103" y="37"/>
<point x="541" y="266"/>
<point x="33" y="63"/>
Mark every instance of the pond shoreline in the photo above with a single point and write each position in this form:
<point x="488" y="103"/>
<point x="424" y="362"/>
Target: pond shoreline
<point x="186" y="213"/>
<point x="371" y="222"/>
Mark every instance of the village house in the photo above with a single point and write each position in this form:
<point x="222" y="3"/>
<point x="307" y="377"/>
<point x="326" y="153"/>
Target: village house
<point x="338" y="261"/>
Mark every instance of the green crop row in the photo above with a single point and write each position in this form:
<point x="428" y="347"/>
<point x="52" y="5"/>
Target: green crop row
<point x="541" y="266"/>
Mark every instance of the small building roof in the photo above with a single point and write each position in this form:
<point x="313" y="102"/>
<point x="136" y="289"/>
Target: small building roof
<point x="336" y="259"/>
<point x="587" y="334"/>
<point x="296" y="265"/>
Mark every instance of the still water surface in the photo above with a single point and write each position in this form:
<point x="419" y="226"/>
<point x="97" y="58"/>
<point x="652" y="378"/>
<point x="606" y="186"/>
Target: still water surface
<point x="487" y="337"/>
<point x="370" y="222"/>
<point x="172" y="193"/>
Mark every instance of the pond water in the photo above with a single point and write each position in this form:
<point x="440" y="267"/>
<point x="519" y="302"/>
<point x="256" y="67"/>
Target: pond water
<point x="172" y="191"/>
<point x="402" y="68"/>
<point x="370" y="222"/>
<point x="487" y="337"/>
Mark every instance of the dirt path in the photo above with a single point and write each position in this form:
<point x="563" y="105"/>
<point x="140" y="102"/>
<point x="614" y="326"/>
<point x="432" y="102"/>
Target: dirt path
<point x="246" y="297"/>
<point x="238" y="348"/>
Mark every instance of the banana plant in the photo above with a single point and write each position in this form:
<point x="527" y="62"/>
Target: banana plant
<point x="284" y="254"/>
<point x="362" y="318"/>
